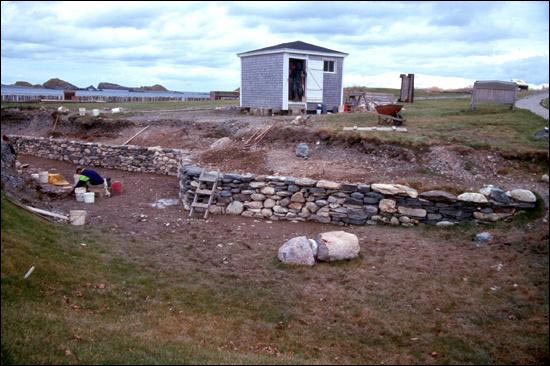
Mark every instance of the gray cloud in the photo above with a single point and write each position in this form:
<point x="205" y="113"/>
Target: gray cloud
<point x="163" y="40"/>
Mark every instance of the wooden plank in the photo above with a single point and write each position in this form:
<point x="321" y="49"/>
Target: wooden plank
<point x="204" y="191"/>
<point x="131" y="138"/>
<point x="47" y="213"/>
<point x="200" y="205"/>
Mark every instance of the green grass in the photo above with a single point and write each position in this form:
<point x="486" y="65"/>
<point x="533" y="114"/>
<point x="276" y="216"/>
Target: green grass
<point x="451" y="121"/>
<point x="364" y="311"/>
<point x="544" y="103"/>
<point x="130" y="106"/>
<point x="61" y="315"/>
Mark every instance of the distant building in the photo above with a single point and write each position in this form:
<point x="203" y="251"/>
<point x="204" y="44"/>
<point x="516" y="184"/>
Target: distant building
<point x="292" y="75"/>
<point x="221" y="95"/>
<point x="494" y="91"/>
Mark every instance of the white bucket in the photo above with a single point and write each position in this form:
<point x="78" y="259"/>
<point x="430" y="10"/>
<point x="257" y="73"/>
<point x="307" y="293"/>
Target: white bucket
<point x="43" y="177"/>
<point x="82" y="111"/>
<point x="79" y="193"/>
<point x="95" y="112"/>
<point x="89" y="197"/>
<point x="76" y="178"/>
<point x="77" y="217"/>
<point x="35" y="176"/>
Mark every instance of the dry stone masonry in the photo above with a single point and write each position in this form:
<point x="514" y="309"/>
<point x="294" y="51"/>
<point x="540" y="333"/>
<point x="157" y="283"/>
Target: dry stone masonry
<point x="301" y="199"/>
<point x="123" y="157"/>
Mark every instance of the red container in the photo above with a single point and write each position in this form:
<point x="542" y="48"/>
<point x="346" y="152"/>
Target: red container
<point x="116" y="187"/>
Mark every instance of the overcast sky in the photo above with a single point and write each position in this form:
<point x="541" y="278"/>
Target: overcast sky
<point x="192" y="46"/>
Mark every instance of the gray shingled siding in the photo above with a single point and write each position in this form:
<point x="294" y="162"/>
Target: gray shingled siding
<point x="262" y="81"/>
<point x="332" y="85"/>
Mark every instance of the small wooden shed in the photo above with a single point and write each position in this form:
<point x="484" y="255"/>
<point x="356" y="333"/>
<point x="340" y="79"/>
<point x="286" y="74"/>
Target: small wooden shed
<point x="292" y="75"/>
<point x="494" y="91"/>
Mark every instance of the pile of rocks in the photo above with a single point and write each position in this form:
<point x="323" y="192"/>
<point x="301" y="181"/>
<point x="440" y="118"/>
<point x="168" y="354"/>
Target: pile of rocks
<point x="124" y="157"/>
<point x="287" y="198"/>
<point x="330" y="246"/>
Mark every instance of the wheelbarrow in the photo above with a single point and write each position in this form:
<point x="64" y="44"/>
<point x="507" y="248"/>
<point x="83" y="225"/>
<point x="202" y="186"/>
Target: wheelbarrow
<point x="389" y="114"/>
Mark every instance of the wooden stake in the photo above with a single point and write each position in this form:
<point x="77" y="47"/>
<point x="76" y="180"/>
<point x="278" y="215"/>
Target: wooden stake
<point x="131" y="138"/>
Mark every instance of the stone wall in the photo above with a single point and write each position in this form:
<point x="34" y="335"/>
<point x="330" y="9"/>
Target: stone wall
<point x="286" y="198"/>
<point x="123" y="157"/>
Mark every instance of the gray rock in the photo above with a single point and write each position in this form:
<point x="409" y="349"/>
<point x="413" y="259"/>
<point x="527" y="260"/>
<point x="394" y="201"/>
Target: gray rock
<point x="268" y="203"/>
<point x="268" y="190"/>
<point x="438" y="196"/>
<point x="321" y="203"/>
<point x="544" y="178"/>
<point x="337" y="245"/>
<point x="257" y="197"/>
<point x="293" y="188"/>
<point x="358" y="196"/>
<point x="254" y="204"/>
<point x="302" y="150"/>
<point x="405" y="219"/>
<point x="234" y="208"/>
<point x="298" y="197"/>
<point x="499" y="195"/>
<point x="255" y="185"/>
<point x="297" y="251"/>
<point x="312" y="207"/>
<point x="483" y="237"/>
<point x="266" y="212"/>
<point x="305" y="182"/>
<point x="372" y="198"/>
<point x="416" y="212"/>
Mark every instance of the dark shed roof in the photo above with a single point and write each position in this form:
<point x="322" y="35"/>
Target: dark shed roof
<point x="297" y="45"/>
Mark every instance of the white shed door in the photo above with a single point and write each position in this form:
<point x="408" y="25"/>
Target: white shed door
<point x="314" y="81"/>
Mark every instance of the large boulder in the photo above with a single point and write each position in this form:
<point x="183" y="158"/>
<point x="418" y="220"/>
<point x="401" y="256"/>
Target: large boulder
<point x="337" y="245"/>
<point x="297" y="250"/>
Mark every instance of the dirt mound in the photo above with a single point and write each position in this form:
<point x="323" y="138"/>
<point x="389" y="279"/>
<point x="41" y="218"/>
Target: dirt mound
<point x="236" y="158"/>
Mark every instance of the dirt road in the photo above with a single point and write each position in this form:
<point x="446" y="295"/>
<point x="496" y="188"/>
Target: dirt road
<point x="532" y="103"/>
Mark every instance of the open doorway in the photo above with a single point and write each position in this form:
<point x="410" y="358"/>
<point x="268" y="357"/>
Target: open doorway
<point x="296" y="80"/>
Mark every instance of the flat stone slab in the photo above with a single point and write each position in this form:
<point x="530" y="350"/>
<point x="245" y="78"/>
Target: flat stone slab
<point x="394" y="189"/>
<point x="438" y="196"/>
<point x="522" y="195"/>
<point x="472" y="197"/>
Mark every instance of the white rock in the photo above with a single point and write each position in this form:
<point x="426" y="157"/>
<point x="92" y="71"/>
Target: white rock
<point x="522" y="195"/>
<point x="445" y="223"/>
<point x="268" y="203"/>
<point x="297" y="250"/>
<point x="234" y="208"/>
<point x="544" y="178"/>
<point x="337" y="245"/>
<point x="221" y="143"/>
<point x="472" y="197"/>
<point x="394" y="189"/>
<point x="387" y="205"/>
<point x="327" y="184"/>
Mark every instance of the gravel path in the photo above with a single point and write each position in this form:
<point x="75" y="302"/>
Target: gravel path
<point x="532" y="103"/>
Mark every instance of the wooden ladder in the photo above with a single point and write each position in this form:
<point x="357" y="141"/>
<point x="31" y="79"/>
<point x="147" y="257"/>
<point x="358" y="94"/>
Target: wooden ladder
<point x="205" y="178"/>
